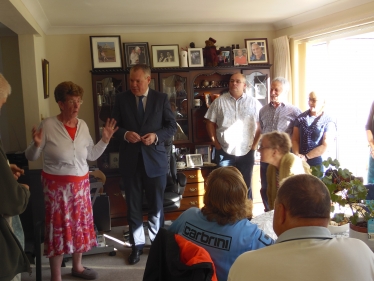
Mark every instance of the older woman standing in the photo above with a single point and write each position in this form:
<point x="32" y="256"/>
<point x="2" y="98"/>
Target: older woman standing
<point x="275" y="150"/>
<point x="312" y="132"/>
<point x="67" y="145"/>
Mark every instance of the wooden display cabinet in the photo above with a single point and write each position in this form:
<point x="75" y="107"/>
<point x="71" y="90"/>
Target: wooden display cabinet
<point x="183" y="86"/>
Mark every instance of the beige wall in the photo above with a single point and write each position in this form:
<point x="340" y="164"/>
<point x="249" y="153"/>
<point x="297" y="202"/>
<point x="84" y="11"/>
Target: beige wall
<point x="12" y="121"/>
<point x="69" y="57"/>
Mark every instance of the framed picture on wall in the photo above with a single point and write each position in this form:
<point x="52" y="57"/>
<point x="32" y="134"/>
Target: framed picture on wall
<point x="106" y="52"/>
<point x="136" y="53"/>
<point x="45" y="71"/>
<point x="165" y="55"/>
<point x="257" y="50"/>
<point x="225" y="57"/>
<point x="240" y="57"/>
<point x="195" y="57"/>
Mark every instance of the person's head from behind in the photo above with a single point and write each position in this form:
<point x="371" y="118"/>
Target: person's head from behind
<point x="256" y="50"/>
<point x="5" y="90"/>
<point x="225" y="198"/>
<point x="302" y="200"/>
<point x="279" y="89"/>
<point x="69" y="96"/>
<point x="274" y="146"/>
<point x="140" y="77"/>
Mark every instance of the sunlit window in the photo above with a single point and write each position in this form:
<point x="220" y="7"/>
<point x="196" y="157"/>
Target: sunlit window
<point x="343" y="69"/>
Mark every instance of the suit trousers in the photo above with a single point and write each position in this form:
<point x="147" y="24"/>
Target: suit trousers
<point x="153" y="189"/>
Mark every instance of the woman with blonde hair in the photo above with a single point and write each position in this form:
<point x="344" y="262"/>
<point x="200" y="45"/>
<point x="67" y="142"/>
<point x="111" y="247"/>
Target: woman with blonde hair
<point x="275" y="150"/>
<point x="222" y="227"/>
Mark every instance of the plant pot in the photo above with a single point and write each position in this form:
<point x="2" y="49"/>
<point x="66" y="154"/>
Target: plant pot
<point x="360" y="233"/>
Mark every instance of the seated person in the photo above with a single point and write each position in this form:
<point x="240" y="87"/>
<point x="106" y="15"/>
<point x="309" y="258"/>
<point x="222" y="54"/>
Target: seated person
<point x="305" y="249"/>
<point x="275" y="150"/>
<point x="222" y="227"/>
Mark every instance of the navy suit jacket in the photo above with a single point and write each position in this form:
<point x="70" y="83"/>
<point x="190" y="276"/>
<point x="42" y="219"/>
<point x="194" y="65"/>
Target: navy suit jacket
<point x="158" y="119"/>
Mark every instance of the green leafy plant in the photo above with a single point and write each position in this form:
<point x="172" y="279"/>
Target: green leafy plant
<point x="345" y="189"/>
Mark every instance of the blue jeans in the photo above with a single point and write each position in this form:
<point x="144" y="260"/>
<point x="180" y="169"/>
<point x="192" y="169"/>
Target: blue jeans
<point x="264" y="185"/>
<point x="243" y="163"/>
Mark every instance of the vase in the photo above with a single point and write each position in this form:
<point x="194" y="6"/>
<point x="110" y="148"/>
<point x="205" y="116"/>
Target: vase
<point x="183" y="58"/>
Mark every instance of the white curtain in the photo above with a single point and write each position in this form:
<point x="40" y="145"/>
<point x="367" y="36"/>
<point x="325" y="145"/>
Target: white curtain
<point x="282" y="62"/>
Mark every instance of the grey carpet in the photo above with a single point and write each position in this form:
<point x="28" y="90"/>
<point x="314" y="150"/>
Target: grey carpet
<point x="108" y="267"/>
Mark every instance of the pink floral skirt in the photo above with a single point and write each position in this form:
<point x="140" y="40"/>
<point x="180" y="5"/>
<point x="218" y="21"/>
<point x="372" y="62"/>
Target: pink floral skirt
<point x="69" y="226"/>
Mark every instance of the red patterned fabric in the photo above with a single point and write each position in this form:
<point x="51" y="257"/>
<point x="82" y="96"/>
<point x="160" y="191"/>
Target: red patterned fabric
<point x="69" y="226"/>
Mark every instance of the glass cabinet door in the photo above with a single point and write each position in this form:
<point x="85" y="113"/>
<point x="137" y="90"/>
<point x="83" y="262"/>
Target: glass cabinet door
<point x="258" y="84"/>
<point x="175" y="86"/>
<point x="104" y="88"/>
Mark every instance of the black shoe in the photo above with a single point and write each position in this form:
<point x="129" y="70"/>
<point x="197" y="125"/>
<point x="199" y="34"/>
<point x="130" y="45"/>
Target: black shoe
<point x="135" y="256"/>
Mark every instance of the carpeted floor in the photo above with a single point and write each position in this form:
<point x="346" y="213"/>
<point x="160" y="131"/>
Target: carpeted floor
<point x="108" y="267"/>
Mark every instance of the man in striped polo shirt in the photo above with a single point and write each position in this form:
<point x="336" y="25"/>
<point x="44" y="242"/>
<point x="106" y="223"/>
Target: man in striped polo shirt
<point x="277" y="115"/>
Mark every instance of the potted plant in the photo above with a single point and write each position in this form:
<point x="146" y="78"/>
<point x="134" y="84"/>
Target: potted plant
<point x="347" y="190"/>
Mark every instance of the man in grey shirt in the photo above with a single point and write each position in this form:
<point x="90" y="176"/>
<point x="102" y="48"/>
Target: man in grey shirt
<point x="276" y="116"/>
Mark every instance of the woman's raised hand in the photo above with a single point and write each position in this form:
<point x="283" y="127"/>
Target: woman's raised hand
<point x="37" y="136"/>
<point x="109" y="129"/>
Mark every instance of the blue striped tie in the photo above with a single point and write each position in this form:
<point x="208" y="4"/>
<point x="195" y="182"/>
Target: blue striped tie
<point x="140" y="110"/>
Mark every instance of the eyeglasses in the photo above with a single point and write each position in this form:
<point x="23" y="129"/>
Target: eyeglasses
<point x="77" y="102"/>
<point x="264" y="147"/>
<point x="236" y="81"/>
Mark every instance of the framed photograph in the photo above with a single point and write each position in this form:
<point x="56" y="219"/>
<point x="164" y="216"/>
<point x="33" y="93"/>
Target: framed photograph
<point x="106" y="52"/>
<point x="205" y="151"/>
<point x="195" y="57"/>
<point x="165" y="55"/>
<point x="113" y="160"/>
<point x="136" y="53"/>
<point x="240" y="57"/>
<point x="225" y="58"/>
<point x="194" y="160"/>
<point x="45" y="70"/>
<point x="257" y="50"/>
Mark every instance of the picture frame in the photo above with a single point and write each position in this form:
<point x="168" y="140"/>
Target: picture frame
<point x="113" y="160"/>
<point x="194" y="160"/>
<point x="106" y="52"/>
<point x="240" y="56"/>
<point x="260" y="46"/>
<point x="165" y="55"/>
<point x="45" y="71"/>
<point x="205" y="151"/>
<point x="195" y="57"/>
<point x="225" y="57"/>
<point x="136" y="53"/>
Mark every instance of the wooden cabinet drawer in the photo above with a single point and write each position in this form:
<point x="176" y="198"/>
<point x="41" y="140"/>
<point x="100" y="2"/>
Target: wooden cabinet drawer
<point x="194" y="189"/>
<point x="193" y="201"/>
<point x="196" y="175"/>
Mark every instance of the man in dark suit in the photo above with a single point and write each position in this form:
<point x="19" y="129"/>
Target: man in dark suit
<point x="143" y="160"/>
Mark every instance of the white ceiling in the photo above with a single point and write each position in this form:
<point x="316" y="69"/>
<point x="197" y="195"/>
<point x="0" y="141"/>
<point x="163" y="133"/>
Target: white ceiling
<point x="123" y="16"/>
